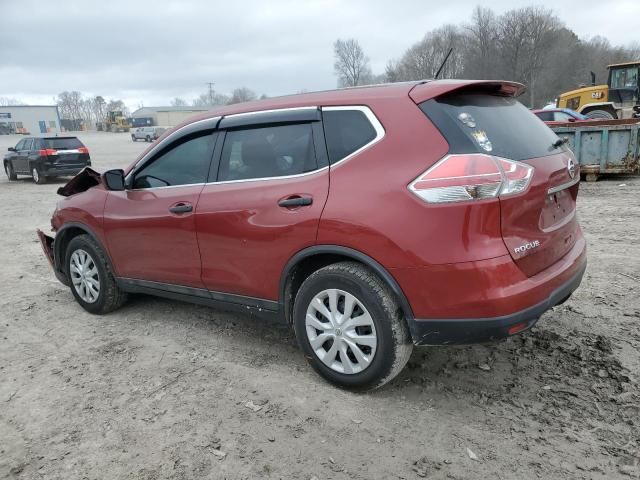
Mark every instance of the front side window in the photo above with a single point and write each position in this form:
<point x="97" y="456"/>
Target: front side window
<point x="185" y="162"/>
<point x="267" y="152"/>
<point x="624" y="77"/>
<point x="28" y="144"/>
<point x="20" y="144"/>
<point x="345" y="132"/>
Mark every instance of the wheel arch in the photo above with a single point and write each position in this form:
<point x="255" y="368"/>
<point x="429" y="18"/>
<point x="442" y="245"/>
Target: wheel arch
<point x="306" y="261"/>
<point x="67" y="233"/>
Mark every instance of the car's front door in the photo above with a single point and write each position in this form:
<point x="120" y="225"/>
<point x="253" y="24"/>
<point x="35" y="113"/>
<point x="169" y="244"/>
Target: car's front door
<point x="150" y="226"/>
<point x="14" y="156"/>
<point x="21" y="164"/>
<point x="265" y="202"/>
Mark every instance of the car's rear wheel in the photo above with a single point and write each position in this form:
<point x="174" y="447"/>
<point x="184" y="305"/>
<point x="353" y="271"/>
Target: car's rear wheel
<point x="11" y="173"/>
<point x="147" y="138"/>
<point x="90" y="277"/>
<point x="349" y="325"/>
<point x="37" y="176"/>
<point x="601" y="114"/>
<point x="133" y="138"/>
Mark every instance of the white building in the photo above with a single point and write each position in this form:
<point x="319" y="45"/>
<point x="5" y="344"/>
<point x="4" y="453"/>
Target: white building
<point x="29" y="119"/>
<point x="163" y="116"/>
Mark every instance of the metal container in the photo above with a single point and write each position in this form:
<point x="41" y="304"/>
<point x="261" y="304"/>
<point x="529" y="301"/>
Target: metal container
<point x="603" y="146"/>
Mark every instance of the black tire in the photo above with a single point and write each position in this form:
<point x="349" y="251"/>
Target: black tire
<point x="37" y="177"/>
<point x="147" y="138"/>
<point x="394" y="343"/>
<point x="11" y="173"/>
<point x="133" y="138"/>
<point x="110" y="297"/>
<point x="601" y="114"/>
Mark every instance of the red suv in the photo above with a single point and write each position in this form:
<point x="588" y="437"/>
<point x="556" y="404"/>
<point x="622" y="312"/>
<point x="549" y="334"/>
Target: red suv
<point x="371" y="219"/>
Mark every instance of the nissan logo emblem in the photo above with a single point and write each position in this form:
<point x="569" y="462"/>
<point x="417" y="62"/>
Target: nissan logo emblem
<point x="571" y="168"/>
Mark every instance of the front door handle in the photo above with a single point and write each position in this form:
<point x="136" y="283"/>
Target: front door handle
<point x="295" y="201"/>
<point x="181" y="208"/>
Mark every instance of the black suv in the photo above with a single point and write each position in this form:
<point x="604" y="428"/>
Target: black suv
<point x="44" y="157"/>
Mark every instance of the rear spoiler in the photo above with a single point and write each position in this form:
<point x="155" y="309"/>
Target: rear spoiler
<point x="436" y="88"/>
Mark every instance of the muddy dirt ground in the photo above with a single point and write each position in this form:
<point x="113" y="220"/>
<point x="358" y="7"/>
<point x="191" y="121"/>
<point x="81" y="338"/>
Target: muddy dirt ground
<point x="161" y="389"/>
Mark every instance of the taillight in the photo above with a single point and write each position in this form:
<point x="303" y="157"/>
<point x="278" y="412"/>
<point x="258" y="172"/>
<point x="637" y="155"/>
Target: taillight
<point x="473" y="176"/>
<point x="46" y="152"/>
<point x="83" y="150"/>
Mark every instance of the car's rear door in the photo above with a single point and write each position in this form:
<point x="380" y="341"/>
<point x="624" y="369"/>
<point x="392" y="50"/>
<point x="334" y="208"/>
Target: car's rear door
<point x="150" y="226"/>
<point x="264" y="202"/>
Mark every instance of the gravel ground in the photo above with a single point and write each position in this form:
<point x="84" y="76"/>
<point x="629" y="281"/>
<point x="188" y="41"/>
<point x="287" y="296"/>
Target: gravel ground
<point x="161" y="389"/>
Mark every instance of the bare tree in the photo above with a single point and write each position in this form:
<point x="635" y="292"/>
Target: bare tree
<point x="242" y="94"/>
<point x="482" y="34"/>
<point x="351" y="64"/>
<point x="207" y="100"/>
<point x="179" y="102"/>
<point x="423" y="59"/>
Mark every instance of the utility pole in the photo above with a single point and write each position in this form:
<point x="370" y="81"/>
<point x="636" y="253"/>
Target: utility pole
<point x="211" y="84"/>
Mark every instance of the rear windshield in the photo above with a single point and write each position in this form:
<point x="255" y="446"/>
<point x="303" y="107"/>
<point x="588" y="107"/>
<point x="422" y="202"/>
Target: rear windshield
<point x="502" y="126"/>
<point x="68" y="143"/>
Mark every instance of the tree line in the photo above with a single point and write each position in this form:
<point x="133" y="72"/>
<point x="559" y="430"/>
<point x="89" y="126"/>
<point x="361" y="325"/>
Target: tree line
<point x="78" y="110"/>
<point x="530" y="45"/>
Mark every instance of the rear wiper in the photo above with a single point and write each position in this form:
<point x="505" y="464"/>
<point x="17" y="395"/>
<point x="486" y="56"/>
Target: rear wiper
<point x="558" y="143"/>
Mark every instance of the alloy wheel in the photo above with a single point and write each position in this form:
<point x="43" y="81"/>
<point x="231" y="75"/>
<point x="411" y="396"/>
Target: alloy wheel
<point x="341" y="331"/>
<point x="84" y="276"/>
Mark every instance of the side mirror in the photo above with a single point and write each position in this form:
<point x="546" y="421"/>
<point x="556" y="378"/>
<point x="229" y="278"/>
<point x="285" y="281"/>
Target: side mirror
<point x="12" y="149"/>
<point x="114" y="179"/>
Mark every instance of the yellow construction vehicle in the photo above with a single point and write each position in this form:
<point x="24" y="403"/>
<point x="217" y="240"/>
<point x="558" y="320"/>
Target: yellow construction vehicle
<point x="619" y="98"/>
<point x="114" y="122"/>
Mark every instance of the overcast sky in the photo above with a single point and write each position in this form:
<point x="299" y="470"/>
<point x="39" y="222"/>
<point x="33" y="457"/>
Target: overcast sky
<point x="149" y="52"/>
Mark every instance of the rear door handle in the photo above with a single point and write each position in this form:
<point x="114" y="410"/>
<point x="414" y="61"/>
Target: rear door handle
<point x="181" y="208"/>
<point x="295" y="201"/>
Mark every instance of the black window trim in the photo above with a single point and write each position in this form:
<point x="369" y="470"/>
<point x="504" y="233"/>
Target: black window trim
<point x="373" y="120"/>
<point x="201" y="126"/>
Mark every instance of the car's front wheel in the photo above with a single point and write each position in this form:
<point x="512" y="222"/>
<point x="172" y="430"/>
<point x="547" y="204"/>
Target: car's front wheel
<point x="11" y="173"/>
<point x="37" y="176"/>
<point x="90" y="277"/>
<point x="350" y="328"/>
<point x="133" y="138"/>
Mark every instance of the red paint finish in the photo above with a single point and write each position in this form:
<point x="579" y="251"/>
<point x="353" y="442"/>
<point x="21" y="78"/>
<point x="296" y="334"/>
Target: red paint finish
<point x="246" y="238"/>
<point x="453" y="260"/>
<point x="148" y="242"/>
<point x="485" y="288"/>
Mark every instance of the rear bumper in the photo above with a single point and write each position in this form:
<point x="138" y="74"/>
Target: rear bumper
<point x="486" y="300"/>
<point x="458" y="331"/>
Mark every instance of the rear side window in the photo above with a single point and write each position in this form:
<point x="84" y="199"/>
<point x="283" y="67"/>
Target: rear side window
<point x="185" y="162"/>
<point x="267" y="152"/>
<point x="501" y="126"/>
<point x="62" y="143"/>
<point x="345" y="132"/>
<point x="545" y="116"/>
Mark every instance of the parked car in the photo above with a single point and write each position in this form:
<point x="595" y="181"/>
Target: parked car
<point x="559" y="115"/>
<point x="148" y="134"/>
<point x="43" y="157"/>
<point x="370" y="219"/>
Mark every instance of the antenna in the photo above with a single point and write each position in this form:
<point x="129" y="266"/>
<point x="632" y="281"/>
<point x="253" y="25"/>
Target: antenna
<point x="443" y="64"/>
